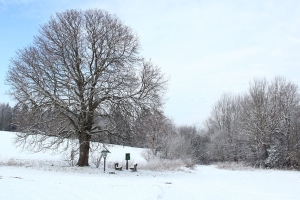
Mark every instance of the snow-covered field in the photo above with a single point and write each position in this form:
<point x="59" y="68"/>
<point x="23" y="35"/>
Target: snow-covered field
<point x="46" y="176"/>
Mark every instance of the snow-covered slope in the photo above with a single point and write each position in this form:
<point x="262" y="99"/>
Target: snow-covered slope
<point x="8" y="151"/>
<point x="205" y="182"/>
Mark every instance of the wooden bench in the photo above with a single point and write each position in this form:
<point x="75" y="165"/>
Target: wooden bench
<point x="117" y="167"/>
<point x="134" y="168"/>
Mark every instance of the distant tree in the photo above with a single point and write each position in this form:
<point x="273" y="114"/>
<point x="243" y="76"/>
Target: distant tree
<point x="223" y="127"/>
<point x="6" y="117"/>
<point x="152" y="128"/>
<point x="269" y="121"/>
<point x="256" y="119"/>
<point x="81" y="67"/>
<point x="1" y="116"/>
<point x="285" y="99"/>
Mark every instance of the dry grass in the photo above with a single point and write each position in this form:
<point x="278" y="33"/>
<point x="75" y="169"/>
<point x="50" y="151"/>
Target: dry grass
<point x="163" y="165"/>
<point x="13" y="162"/>
<point x="234" y="166"/>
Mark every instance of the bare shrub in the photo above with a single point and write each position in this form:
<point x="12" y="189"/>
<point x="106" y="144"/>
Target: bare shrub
<point x="71" y="156"/>
<point x="148" y="155"/>
<point x="96" y="158"/>
<point x="189" y="162"/>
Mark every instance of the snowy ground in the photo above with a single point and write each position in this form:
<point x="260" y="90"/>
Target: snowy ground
<point x="38" y="179"/>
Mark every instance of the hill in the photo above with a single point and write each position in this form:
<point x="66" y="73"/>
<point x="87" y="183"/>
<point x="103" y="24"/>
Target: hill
<point x="24" y="175"/>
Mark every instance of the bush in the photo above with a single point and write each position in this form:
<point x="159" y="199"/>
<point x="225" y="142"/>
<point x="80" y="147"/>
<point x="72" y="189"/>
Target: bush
<point x="71" y="156"/>
<point x="148" y="155"/>
<point x="96" y="158"/>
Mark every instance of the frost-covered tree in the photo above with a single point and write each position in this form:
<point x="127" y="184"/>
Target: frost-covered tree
<point x="223" y="126"/>
<point x="269" y="117"/>
<point x="285" y="135"/>
<point x="81" y="67"/>
<point x="260" y="127"/>
<point x="153" y="128"/>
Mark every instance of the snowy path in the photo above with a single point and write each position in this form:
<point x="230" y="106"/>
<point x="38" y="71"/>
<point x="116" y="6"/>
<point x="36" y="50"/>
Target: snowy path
<point x="206" y="182"/>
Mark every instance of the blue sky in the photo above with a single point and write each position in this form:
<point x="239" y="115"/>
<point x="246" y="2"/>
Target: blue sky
<point x="206" y="48"/>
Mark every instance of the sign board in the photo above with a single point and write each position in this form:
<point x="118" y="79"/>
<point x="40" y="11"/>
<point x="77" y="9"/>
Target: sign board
<point x="127" y="156"/>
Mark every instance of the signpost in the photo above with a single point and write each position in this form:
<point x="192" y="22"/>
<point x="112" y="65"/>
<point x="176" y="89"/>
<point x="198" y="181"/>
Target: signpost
<point x="104" y="154"/>
<point x="127" y="157"/>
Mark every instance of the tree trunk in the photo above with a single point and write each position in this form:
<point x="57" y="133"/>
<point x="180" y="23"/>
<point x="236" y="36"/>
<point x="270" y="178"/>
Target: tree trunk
<point x="84" y="149"/>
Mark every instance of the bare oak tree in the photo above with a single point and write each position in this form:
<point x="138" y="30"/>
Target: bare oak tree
<point x="81" y="67"/>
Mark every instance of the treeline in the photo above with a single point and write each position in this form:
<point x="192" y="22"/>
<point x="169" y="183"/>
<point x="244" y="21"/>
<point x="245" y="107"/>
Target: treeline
<point x="153" y="130"/>
<point x="6" y="117"/>
<point x="260" y="127"/>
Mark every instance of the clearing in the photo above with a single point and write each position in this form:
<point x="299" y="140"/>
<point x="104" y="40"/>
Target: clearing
<point x="46" y="176"/>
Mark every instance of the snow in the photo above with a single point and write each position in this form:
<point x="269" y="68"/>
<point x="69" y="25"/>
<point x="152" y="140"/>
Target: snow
<point x="45" y="176"/>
